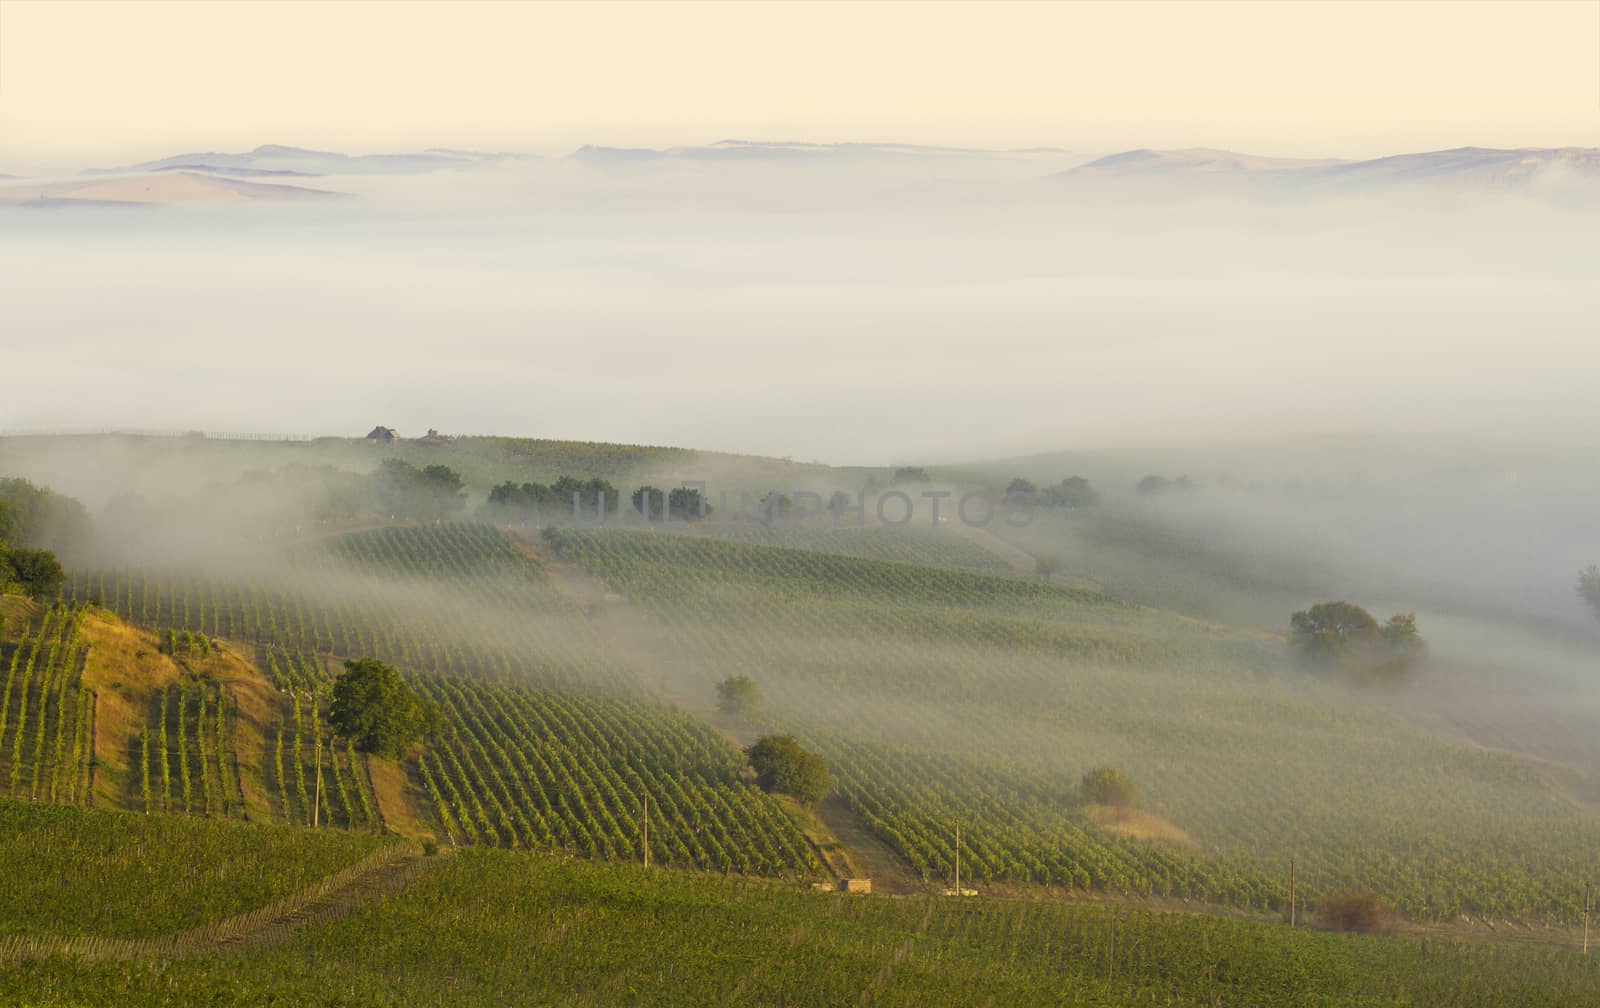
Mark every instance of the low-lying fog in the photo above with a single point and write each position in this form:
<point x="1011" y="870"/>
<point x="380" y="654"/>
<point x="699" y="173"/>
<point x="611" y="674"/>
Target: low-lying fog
<point x="863" y="310"/>
<point x="928" y="310"/>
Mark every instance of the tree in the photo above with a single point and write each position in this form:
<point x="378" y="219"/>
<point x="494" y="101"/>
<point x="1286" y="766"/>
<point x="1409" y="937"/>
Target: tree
<point x="1021" y="488"/>
<point x="441" y="486"/>
<point x="738" y="694"/>
<point x="592" y="492"/>
<point x="375" y="709"/>
<point x="687" y="504"/>
<point x="36" y="573"/>
<point x="650" y="502"/>
<point x="910" y="474"/>
<point x="431" y="494"/>
<point x="1589" y="588"/>
<point x="776" y="506"/>
<point x="1341" y="636"/>
<point x="40" y="518"/>
<point x="781" y="764"/>
<point x="1107" y="786"/>
<point x="1072" y="492"/>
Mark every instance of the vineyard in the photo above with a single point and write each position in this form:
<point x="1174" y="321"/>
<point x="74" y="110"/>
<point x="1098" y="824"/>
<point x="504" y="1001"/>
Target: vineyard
<point x="46" y="721"/>
<point x="72" y="871"/>
<point x="186" y="757"/>
<point x="926" y="546"/>
<point x="496" y="927"/>
<point x="516" y="767"/>
<point x="940" y="695"/>
<point x="450" y="599"/>
<point x="564" y="772"/>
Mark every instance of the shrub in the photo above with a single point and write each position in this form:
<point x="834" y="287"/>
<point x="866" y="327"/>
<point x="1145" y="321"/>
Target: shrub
<point x="1107" y="786"/>
<point x="781" y="764"/>
<point x="1353" y="909"/>
<point x="738" y="694"/>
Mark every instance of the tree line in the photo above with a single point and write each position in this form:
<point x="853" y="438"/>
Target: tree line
<point x="587" y="498"/>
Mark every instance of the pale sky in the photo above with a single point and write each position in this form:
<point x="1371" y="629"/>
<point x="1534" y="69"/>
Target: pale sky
<point x="85" y="79"/>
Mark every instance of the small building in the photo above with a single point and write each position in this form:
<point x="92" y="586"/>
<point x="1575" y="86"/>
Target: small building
<point x="382" y="435"/>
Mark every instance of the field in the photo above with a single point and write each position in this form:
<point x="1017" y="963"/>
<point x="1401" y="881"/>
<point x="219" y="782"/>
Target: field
<point x="491" y="927"/>
<point x="93" y="872"/>
<point x="940" y="695"/>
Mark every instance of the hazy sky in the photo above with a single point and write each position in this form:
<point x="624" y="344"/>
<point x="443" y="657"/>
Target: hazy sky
<point x="82" y="79"/>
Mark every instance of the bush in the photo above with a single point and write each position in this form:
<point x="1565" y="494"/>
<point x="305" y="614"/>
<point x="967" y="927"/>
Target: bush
<point x="738" y="694"/>
<point x="1107" y="786"/>
<point x="781" y="764"/>
<point x="1353" y="909"/>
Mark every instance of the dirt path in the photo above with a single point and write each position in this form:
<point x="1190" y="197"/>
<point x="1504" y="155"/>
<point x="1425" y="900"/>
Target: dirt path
<point x="333" y="898"/>
<point x="868" y="856"/>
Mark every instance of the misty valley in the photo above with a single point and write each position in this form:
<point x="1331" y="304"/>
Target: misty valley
<point x="669" y="504"/>
<point x="360" y="676"/>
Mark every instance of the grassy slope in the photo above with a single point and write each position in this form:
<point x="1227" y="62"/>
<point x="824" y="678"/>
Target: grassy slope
<point x="491" y="927"/>
<point x="72" y="871"/>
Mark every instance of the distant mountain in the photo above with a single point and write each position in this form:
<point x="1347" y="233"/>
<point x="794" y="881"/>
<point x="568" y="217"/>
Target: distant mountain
<point x="792" y="151"/>
<point x="240" y="172"/>
<point x="1460" y="166"/>
<point x="1192" y="160"/>
<point x="160" y="187"/>
<point x="1474" y="164"/>
<point x="278" y="159"/>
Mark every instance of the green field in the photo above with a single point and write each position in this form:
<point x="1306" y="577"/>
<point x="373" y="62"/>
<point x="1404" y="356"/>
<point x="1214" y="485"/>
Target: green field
<point x="91" y="872"/>
<point x="488" y="927"/>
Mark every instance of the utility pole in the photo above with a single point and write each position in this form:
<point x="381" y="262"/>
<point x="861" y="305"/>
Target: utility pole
<point x="1588" y="908"/>
<point x="646" y="821"/>
<point x="316" y="806"/>
<point x="1292" y="880"/>
<point x="958" y="859"/>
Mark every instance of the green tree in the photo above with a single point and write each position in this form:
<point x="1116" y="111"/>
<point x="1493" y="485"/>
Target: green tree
<point x="782" y="764"/>
<point x="1108" y="786"/>
<point x="1589" y="588"/>
<point x="687" y="504"/>
<point x="33" y="572"/>
<point x="375" y="709"/>
<point x="38" y="517"/>
<point x="738" y="694"/>
<point x="1072" y="492"/>
<point x="441" y="487"/>
<point x="651" y="502"/>
<point x="1343" y="637"/>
